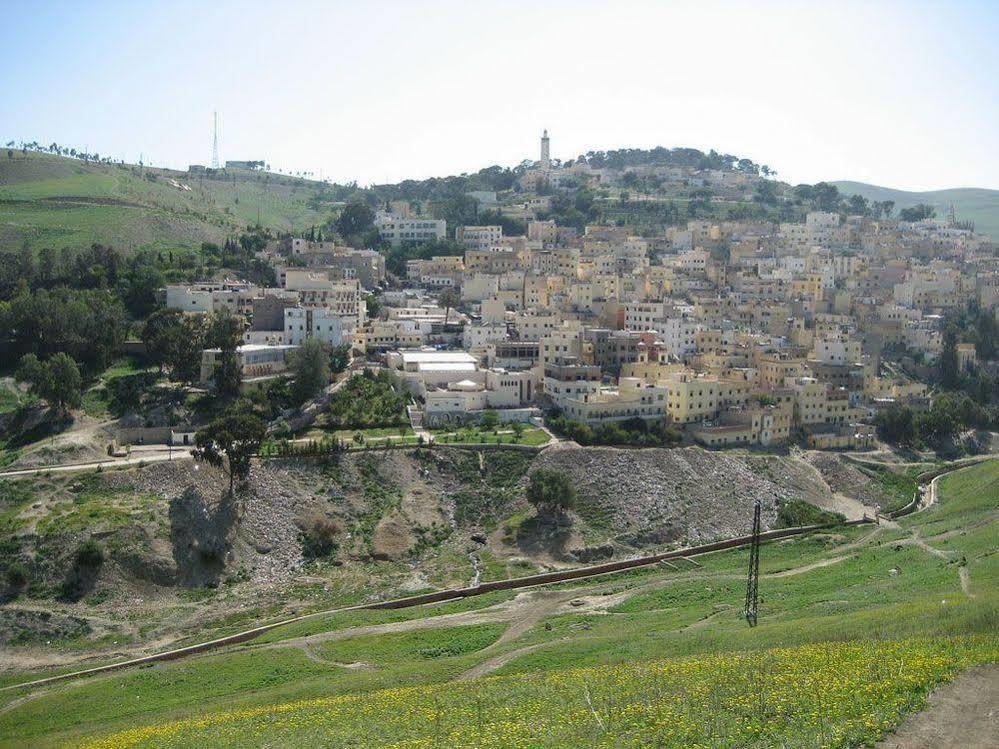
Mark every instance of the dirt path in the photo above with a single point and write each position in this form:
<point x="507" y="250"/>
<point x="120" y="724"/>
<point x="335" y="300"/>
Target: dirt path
<point x="964" y="713"/>
<point x="917" y="540"/>
<point x="865" y="539"/>
<point x="965" y="581"/>
<point x="144" y="457"/>
<point x="522" y="613"/>
<point x="539" y="605"/>
<point x="497" y="662"/>
<point x="848" y="507"/>
<point x="809" y="567"/>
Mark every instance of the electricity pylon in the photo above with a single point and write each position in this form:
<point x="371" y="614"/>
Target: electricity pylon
<point x="753" y="581"/>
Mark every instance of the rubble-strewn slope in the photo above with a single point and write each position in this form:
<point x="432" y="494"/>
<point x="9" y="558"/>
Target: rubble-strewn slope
<point x="180" y="558"/>
<point x="655" y="495"/>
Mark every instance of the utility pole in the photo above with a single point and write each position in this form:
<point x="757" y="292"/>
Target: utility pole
<point x="753" y="580"/>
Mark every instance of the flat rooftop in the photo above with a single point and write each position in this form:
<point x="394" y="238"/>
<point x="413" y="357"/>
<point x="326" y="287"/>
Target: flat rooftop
<point x="420" y="356"/>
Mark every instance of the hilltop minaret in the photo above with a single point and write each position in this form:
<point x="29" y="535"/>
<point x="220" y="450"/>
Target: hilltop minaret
<point x="546" y="162"/>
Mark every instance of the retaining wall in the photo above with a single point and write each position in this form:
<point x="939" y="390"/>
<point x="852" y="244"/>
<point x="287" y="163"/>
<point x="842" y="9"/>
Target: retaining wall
<point x="443" y="595"/>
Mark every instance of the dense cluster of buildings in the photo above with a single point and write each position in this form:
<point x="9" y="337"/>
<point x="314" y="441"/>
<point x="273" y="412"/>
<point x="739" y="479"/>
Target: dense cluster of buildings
<point x="738" y="332"/>
<point x="321" y="294"/>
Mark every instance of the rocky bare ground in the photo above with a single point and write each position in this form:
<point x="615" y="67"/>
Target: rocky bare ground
<point x="654" y="496"/>
<point x="846" y="478"/>
<point x="184" y="557"/>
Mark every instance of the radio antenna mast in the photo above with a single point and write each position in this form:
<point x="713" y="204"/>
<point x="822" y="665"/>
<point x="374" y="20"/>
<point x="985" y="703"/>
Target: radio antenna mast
<point x="215" y="140"/>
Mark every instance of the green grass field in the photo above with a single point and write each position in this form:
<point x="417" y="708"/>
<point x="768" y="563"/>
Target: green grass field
<point x="52" y="201"/>
<point x="855" y="627"/>
<point x="816" y="696"/>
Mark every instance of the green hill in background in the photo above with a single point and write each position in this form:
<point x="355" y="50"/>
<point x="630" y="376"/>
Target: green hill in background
<point x="54" y="201"/>
<point x="970" y="203"/>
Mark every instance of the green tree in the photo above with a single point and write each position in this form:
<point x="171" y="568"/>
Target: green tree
<point x="31" y="371"/>
<point x="311" y="367"/>
<point x="140" y="287"/>
<point x="897" y="424"/>
<point x="550" y="492"/>
<point x="26" y="263"/>
<point x="858" y="205"/>
<point x="187" y="341"/>
<point x="373" y="305"/>
<point x="950" y="374"/>
<point x="225" y="334"/>
<point x="825" y="197"/>
<point x="917" y="212"/>
<point x="339" y="358"/>
<point x="354" y="219"/>
<point x="230" y="443"/>
<point x="66" y="384"/>
<point x="450" y="299"/>
<point x="47" y="270"/>
<point x="161" y="335"/>
<point x="489" y="419"/>
<point x="57" y="381"/>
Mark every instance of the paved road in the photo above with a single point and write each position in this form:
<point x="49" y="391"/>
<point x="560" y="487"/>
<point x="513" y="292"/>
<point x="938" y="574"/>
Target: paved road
<point x="140" y="456"/>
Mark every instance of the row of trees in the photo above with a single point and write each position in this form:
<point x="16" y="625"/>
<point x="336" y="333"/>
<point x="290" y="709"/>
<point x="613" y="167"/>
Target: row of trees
<point x="634" y="432"/>
<point x="134" y="280"/>
<point x="88" y="325"/>
<point x="951" y="412"/>
<point x="58" y="150"/>
<point x="690" y="158"/>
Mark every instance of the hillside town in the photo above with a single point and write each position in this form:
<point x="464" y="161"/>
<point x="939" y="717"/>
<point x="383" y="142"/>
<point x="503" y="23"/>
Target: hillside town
<point x="729" y="332"/>
<point x="652" y="400"/>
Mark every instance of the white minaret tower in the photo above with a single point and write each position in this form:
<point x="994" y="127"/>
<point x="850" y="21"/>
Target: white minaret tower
<point x="546" y="161"/>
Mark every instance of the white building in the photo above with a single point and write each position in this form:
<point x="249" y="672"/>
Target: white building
<point x="478" y="237"/>
<point x="836" y="349"/>
<point x="679" y="337"/>
<point x="255" y="361"/>
<point x="396" y="230"/>
<point x="301" y="323"/>
<point x="646" y="315"/>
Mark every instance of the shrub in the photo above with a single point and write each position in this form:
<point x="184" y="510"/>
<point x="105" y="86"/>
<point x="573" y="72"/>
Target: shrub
<point x="369" y="400"/>
<point x="17" y="575"/>
<point x="550" y="492"/>
<point x="796" y="513"/>
<point x="320" y="535"/>
<point x="90" y="554"/>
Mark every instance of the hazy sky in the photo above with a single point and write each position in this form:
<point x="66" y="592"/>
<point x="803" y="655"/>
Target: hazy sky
<point x="903" y="94"/>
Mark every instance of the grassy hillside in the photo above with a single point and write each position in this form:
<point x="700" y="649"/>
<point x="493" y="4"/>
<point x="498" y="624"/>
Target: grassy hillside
<point x="54" y="201"/>
<point x="855" y="628"/>
<point x="970" y="203"/>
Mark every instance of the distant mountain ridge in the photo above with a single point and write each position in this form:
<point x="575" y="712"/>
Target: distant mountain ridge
<point x="970" y="203"/>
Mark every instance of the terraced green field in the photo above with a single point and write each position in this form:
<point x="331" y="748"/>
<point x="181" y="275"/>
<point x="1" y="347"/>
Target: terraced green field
<point x="855" y="628"/>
